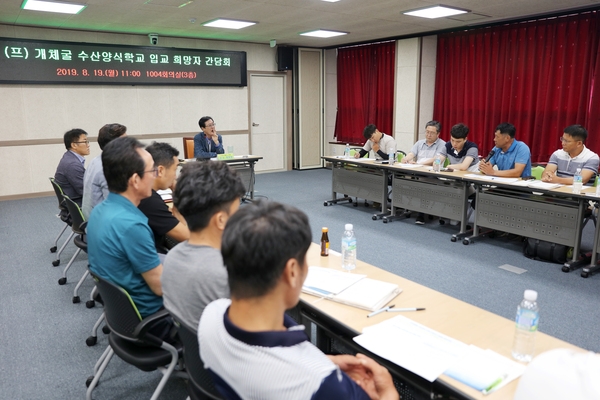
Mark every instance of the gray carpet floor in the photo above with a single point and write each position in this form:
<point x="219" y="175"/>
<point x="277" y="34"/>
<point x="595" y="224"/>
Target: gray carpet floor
<point x="43" y="333"/>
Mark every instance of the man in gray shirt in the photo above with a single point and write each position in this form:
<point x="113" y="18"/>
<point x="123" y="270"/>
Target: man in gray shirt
<point x="425" y="150"/>
<point x="206" y="195"/>
<point x="95" y="188"/>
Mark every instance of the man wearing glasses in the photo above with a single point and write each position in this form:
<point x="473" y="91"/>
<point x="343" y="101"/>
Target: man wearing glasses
<point x="208" y="143"/>
<point x="564" y="163"/>
<point x="70" y="170"/>
<point x="120" y="242"/>
<point x="425" y="150"/>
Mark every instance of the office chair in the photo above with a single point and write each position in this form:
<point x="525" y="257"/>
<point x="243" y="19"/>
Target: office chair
<point x="130" y="340"/>
<point x="536" y="172"/>
<point x="200" y="383"/>
<point x="188" y="147"/>
<point x="78" y="226"/>
<point x="65" y="217"/>
<point x="95" y="297"/>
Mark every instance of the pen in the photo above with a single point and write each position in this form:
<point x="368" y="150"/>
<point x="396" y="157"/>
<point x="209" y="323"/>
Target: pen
<point x="380" y="311"/>
<point x="493" y="385"/>
<point x="406" y="309"/>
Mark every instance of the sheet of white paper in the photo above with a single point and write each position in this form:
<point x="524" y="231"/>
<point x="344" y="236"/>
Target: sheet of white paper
<point x="327" y="281"/>
<point x="413" y="346"/>
<point x="543" y="185"/>
<point x="409" y="165"/>
<point x="492" y="178"/>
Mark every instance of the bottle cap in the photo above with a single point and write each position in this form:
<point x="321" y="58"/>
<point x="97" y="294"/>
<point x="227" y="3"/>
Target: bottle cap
<point x="324" y="229"/>
<point x="348" y="227"/>
<point x="530" y="295"/>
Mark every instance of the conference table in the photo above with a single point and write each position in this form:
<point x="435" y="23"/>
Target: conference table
<point x="337" y="324"/>
<point x="554" y="215"/>
<point x="243" y="165"/>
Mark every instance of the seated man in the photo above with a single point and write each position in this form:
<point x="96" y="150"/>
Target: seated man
<point x="120" y="243"/>
<point x="378" y="145"/>
<point x="206" y="195"/>
<point x="70" y="170"/>
<point x="511" y="157"/>
<point x="95" y="189"/>
<point x="564" y="163"/>
<point x="248" y="344"/>
<point x="208" y="143"/>
<point x="425" y="150"/>
<point x="463" y="155"/>
<point x="160" y="218"/>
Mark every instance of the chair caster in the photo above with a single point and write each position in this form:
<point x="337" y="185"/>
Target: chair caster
<point x="55" y="263"/>
<point x="325" y="204"/>
<point x="62" y="281"/>
<point x="374" y="218"/>
<point x="91" y="341"/>
<point x="453" y="239"/>
<point x="585" y="275"/>
<point x="355" y="204"/>
<point x="385" y="220"/>
<point x="76" y="299"/>
<point x="90" y="304"/>
<point x="466" y="242"/>
<point x="105" y="330"/>
<point x="566" y="269"/>
<point x="89" y="380"/>
<point x="53" y="249"/>
<point x="442" y="222"/>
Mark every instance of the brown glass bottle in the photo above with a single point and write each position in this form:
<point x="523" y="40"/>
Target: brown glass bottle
<point x="324" y="242"/>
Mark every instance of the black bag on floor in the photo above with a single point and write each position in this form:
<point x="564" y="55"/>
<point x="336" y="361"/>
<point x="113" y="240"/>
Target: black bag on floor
<point x="545" y="251"/>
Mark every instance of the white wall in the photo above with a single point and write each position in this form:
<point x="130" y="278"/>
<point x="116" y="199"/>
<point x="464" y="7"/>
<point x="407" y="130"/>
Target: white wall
<point x="34" y="117"/>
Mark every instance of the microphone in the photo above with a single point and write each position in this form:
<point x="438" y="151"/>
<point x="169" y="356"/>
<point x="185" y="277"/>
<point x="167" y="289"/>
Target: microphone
<point x="487" y="159"/>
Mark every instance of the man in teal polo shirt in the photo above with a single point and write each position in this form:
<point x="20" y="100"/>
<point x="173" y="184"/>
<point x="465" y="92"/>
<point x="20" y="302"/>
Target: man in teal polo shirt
<point x="120" y="242"/>
<point x="511" y="157"/>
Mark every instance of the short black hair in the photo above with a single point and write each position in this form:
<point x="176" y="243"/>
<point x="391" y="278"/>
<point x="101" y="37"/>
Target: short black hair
<point x="162" y="154"/>
<point x="369" y="131"/>
<point x="257" y="243"/>
<point x="109" y="132"/>
<point x="120" y="160"/>
<point x="507" y="128"/>
<point x="435" y="124"/>
<point x="203" y="189"/>
<point x="577" y="132"/>
<point x="459" y="131"/>
<point x="72" y="136"/>
<point x="204" y="120"/>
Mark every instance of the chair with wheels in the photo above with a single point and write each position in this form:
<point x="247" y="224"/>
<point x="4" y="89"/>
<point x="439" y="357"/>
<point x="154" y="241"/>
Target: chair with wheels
<point x="200" y="383"/>
<point x="78" y="226"/>
<point x="536" y="172"/>
<point x="64" y="216"/>
<point x="130" y="340"/>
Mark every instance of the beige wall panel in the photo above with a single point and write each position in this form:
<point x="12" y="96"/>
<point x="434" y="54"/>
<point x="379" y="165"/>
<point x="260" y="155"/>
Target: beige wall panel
<point x="407" y="92"/>
<point x="84" y="107"/>
<point x="16" y="174"/>
<point x="43" y="161"/>
<point x="427" y="89"/>
<point x="239" y="142"/>
<point x="330" y="99"/>
<point x="310" y="108"/>
<point x="154" y="107"/>
<point x="45" y="115"/>
<point x="120" y="105"/>
<point x="12" y="118"/>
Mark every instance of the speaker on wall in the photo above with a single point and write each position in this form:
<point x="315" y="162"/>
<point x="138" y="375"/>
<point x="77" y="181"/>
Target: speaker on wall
<point x="285" y="58"/>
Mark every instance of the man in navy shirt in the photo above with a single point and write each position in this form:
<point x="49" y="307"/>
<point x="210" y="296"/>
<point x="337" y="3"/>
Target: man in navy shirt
<point x="251" y="348"/>
<point x="70" y="170"/>
<point x="208" y="143"/>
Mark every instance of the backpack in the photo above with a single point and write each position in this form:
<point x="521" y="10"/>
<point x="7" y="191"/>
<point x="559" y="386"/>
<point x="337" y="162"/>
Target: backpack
<point x="545" y="251"/>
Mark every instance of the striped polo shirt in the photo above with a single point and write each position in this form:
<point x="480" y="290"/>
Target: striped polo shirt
<point x="567" y="166"/>
<point x="268" y="365"/>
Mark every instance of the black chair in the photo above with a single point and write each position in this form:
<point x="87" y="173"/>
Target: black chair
<point x="78" y="226"/>
<point x="200" y="383"/>
<point x="65" y="217"/>
<point x="130" y="340"/>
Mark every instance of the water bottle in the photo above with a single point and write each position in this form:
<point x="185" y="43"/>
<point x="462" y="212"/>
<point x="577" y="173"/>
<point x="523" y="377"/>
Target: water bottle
<point x="347" y="151"/>
<point x="392" y="157"/>
<point x="577" y="181"/>
<point x="348" y="248"/>
<point x="437" y="163"/>
<point x="527" y="320"/>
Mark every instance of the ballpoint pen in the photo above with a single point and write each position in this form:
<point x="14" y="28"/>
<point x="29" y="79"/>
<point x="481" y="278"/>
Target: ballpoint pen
<point x="380" y="311"/>
<point x="406" y="309"/>
<point x="494" y="385"/>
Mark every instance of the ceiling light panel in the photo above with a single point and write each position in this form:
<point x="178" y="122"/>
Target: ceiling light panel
<point x="228" y="23"/>
<point x="52" y="6"/>
<point x="438" y="11"/>
<point x="322" y="33"/>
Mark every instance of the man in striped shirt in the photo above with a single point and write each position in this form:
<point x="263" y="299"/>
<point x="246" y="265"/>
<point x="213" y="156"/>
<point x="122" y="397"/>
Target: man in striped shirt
<point x="574" y="155"/>
<point x="251" y="348"/>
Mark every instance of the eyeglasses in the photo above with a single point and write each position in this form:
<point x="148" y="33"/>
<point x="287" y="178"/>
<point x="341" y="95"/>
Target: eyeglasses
<point x="85" y="141"/>
<point x="431" y="133"/>
<point x="154" y="171"/>
<point x="562" y="139"/>
<point x="210" y="126"/>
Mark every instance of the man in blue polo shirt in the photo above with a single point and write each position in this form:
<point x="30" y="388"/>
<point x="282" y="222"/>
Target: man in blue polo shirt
<point x="511" y="157"/>
<point x="120" y="242"/>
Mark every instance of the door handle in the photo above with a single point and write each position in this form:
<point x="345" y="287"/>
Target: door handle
<point x="254" y="124"/>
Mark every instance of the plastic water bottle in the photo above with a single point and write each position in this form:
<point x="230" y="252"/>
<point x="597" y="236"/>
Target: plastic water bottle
<point x="527" y="320"/>
<point x="347" y="151"/>
<point x="437" y="163"/>
<point x="348" y="248"/>
<point x="392" y="157"/>
<point x="577" y="181"/>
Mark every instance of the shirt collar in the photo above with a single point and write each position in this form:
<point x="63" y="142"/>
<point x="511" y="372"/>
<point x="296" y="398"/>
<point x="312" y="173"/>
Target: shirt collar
<point x="79" y="157"/>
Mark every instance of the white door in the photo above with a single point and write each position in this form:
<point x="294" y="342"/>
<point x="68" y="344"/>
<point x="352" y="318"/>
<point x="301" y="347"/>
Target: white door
<point x="267" y="121"/>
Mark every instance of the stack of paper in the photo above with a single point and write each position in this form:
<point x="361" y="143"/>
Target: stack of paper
<point x="492" y="178"/>
<point x="166" y="195"/>
<point x="351" y="289"/>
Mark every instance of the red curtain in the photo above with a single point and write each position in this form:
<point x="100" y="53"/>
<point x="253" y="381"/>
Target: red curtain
<point x="365" y="90"/>
<point x="541" y="76"/>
